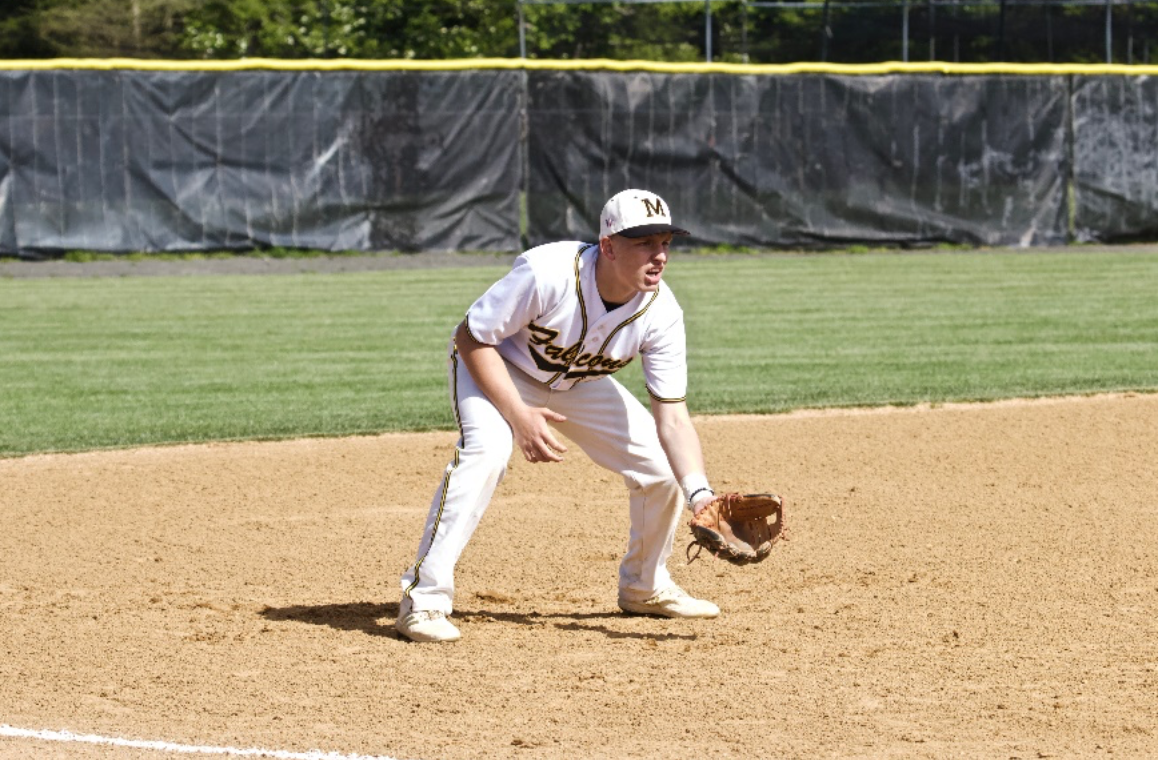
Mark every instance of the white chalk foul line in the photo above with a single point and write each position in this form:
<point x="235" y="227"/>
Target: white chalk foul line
<point x="186" y="749"/>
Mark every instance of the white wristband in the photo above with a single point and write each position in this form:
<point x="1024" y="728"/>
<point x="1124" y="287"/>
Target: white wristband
<point x="695" y="486"/>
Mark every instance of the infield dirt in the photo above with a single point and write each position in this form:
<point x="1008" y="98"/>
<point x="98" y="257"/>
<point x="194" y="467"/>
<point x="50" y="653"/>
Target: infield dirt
<point x="975" y="581"/>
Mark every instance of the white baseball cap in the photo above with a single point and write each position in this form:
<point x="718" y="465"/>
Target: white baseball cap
<point x="636" y="213"/>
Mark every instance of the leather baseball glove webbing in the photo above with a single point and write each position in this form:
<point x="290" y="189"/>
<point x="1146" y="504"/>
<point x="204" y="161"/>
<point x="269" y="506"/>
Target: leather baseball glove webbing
<point x="739" y="528"/>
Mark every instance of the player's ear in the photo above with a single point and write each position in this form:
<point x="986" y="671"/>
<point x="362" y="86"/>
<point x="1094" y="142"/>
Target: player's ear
<point x="605" y="247"/>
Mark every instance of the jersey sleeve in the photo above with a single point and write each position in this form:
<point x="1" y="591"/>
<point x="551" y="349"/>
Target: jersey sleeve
<point x="664" y="355"/>
<point x="506" y="307"/>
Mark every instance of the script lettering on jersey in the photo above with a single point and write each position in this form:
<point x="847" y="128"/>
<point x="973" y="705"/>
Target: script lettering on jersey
<point x="569" y="359"/>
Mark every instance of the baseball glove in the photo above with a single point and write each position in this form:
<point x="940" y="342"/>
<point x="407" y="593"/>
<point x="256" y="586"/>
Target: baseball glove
<point x="740" y="528"/>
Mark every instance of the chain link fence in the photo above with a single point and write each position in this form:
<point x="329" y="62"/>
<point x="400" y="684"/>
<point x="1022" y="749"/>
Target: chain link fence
<point x="852" y="31"/>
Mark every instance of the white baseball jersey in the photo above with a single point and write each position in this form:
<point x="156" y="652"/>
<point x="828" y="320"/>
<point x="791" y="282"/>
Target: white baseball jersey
<point x="546" y="318"/>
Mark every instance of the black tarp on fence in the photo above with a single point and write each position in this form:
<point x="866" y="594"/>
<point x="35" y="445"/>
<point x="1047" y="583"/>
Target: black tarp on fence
<point x="1115" y="158"/>
<point x="157" y="161"/>
<point x="758" y="160"/>
<point x="143" y="160"/>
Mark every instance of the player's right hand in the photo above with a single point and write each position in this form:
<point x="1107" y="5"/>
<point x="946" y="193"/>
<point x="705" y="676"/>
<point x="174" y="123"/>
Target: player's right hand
<point x="534" y="436"/>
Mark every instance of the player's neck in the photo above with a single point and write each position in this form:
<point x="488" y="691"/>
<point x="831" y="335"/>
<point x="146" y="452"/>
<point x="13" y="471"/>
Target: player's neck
<point x="611" y="306"/>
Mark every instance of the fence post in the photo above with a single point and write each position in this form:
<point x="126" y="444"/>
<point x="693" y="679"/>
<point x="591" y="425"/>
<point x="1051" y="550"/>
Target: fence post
<point x="932" y="31"/>
<point x="1001" y="33"/>
<point x="825" y="33"/>
<point x="522" y="31"/>
<point x="1109" y="31"/>
<point x="708" y="30"/>
<point x="744" y="30"/>
<point x="905" y="31"/>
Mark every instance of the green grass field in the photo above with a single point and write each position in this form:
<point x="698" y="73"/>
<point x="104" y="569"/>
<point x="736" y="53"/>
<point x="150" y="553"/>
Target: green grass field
<point x="116" y="362"/>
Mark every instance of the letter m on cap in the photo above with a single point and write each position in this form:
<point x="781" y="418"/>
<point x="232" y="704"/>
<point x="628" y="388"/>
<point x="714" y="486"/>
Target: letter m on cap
<point x="654" y="207"/>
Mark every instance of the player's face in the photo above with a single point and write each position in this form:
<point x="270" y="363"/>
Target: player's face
<point x="636" y="264"/>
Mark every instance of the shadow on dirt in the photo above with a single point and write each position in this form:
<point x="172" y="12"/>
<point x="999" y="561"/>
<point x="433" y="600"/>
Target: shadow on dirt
<point x="378" y="620"/>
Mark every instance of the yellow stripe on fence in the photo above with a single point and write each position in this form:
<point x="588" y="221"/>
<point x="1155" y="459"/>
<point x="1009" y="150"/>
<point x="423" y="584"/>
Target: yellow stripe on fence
<point x="599" y="64"/>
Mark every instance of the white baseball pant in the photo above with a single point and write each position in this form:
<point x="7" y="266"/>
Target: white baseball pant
<point x="604" y="420"/>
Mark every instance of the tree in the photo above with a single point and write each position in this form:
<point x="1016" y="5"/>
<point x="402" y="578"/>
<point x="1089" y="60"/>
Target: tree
<point x="673" y="31"/>
<point x="275" y="29"/>
<point x="649" y="30"/>
<point x="19" y="32"/>
<point x="104" y="28"/>
<point x="435" y="29"/>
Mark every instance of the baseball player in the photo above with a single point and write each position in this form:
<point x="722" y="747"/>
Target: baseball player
<point x="535" y="355"/>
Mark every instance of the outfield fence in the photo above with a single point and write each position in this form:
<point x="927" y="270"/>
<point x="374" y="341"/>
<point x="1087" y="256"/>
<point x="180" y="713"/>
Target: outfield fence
<point x="494" y="155"/>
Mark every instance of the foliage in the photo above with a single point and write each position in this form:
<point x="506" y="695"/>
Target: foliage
<point x="19" y="36"/>
<point x="105" y="28"/>
<point x="277" y="28"/>
<point x="645" y="29"/>
<point x="433" y="29"/>
<point x="674" y="30"/>
<point x="668" y="31"/>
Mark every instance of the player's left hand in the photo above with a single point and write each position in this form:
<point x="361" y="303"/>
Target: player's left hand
<point x="739" y="528"/>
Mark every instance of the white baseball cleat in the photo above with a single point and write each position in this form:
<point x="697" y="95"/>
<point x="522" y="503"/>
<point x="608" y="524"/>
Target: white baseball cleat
<point x="672" y="602"/>
<point x="427" y="625"/>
